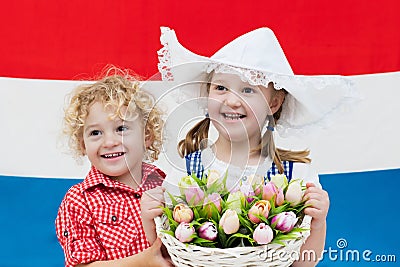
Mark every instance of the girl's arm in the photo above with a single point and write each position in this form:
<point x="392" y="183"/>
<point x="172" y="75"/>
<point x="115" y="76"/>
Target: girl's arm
<point x="312" y="249"/>
<point x="147" y="258"/>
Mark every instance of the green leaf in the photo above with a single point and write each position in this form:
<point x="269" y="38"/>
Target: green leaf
<point x="221" y="236"/>
<point x="198" y="181"/>
<point x="173" y="200"/>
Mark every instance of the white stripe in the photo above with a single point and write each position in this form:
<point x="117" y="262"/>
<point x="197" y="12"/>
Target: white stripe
<point x="31" y="117"/>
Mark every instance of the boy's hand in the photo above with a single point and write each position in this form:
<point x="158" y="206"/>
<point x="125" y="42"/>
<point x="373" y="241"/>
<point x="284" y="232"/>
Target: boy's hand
<point x="155" y="256"/>
<point x="318" y="200"/>
<point x="151" y="203"/>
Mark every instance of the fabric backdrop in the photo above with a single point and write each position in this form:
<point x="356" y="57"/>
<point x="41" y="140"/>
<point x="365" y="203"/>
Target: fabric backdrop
<point x="48" y="47"/>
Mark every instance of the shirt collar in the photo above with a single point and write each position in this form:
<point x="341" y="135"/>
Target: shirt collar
<point x="95" y="177"/>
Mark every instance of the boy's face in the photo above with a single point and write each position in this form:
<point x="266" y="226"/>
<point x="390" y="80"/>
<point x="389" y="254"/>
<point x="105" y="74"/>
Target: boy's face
<point x="115" y="147"/>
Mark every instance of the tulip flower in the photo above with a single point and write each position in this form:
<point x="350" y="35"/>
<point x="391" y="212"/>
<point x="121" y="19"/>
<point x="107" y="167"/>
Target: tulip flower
<point x="260" y="208"/>
<point x="280" y="198"/>
<point x="209" y="201"/>
<point x="229" y="222"/>
<point x="294" y="193"/>
<point x="213" y="176"/>
<point x="269" y="190"/>
<point x="184" y="232"/>
<point x="284" y="221"/>
<point x="194" y="195"/>
<point x="186" y="182"/>
<point x="280" y="180"/>
<point x="248" y="192"/>
<point x="182" y="213"/>
<point x="263" y="234"/>
<point x="235" y="201"/>
<point x="208" y="231"/>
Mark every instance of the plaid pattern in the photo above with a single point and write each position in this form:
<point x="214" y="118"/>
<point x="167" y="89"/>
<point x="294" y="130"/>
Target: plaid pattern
<point x="194" y="165"/>
<point x="99" y="218"/>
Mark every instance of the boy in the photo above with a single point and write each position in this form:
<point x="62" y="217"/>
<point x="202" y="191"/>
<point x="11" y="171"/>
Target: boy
<point x="116" y="125"/>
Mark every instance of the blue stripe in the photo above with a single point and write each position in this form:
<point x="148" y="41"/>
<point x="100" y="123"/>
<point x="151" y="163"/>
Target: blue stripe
<point x="363" y="211"/>
<point x="29" y="208"/>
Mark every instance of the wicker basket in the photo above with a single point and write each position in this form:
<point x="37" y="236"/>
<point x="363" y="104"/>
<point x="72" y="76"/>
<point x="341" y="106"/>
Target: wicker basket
<point x="186" y="255"/>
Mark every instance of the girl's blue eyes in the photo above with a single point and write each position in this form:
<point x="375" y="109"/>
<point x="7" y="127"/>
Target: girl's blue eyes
<point x="246" y="90"/>
<point x="221" y="88"/>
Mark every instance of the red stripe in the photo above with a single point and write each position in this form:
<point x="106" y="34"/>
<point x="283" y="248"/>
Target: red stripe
<point x="75" y="39"/>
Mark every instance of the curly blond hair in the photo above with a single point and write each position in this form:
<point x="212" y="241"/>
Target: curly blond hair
<point x="117" y="89"/>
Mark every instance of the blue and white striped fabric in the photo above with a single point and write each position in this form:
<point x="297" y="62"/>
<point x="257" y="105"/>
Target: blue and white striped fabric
<point x="195" y="165"/>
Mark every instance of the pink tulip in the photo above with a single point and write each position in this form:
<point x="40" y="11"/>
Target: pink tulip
<point x="182" y="213"/>
<point x="280" y="198"/>
<point x="248" y="192"/>
<point x="229" y="222"/>
<point x="211" y="199"/>
<point x="260" y="208"/>
<point x="194" y="195"/>
<point x="263" y="234"/>
<point x="184" y="232"/>
<point x="270" y="190"/>
<point x="208" y="231"/>
<point x="284" y="221"/>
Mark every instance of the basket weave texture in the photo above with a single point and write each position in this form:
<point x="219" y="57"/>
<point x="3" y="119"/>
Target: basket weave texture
<point x="185" y="255"/>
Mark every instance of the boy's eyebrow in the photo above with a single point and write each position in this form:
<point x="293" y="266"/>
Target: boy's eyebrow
<point x="94" y="125"/>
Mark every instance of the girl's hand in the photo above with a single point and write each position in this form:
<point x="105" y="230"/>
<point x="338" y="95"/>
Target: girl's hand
<point x="318" y="200"/>
<point x="151" y="203"/>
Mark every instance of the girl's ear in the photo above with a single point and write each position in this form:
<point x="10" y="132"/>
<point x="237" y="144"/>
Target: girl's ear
<point x="277" y="100"/>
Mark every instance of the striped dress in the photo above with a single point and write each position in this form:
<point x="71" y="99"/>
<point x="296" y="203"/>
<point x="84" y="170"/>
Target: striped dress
<point x="195" y="165"/>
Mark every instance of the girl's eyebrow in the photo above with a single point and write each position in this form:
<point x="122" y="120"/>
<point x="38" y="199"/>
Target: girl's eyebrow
<point x="218" y="82"/>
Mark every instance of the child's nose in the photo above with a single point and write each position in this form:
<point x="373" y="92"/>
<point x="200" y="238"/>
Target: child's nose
<point x="110" y="140"/>
<point x="232" y="99"/>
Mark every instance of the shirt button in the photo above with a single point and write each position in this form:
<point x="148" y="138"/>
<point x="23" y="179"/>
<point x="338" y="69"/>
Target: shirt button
<point x="137" y="195"/>
<point x="114" y="218"/>
<point x="65" y="233"/>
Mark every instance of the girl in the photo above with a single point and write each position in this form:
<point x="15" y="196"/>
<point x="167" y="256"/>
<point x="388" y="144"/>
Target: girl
<point x="116" y="126"/>
<point x="251" y="91"/>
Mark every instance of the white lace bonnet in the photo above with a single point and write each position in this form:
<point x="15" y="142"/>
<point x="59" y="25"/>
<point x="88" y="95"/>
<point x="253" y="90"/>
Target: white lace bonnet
<point x="258" y="59"/>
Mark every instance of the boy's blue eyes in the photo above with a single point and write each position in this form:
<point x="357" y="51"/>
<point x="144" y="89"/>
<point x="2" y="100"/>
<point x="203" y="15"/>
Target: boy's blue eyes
<point x="95" y="132"/>
<point x="121" y="128"/>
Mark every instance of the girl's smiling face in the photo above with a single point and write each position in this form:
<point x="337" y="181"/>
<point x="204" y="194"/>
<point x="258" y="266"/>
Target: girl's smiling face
<point x="114" y="146"/>
<point x="238" y="110"/>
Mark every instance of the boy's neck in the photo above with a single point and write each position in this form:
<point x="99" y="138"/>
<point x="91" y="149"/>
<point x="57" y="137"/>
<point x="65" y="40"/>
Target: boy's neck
<point x="132" y="179"/>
